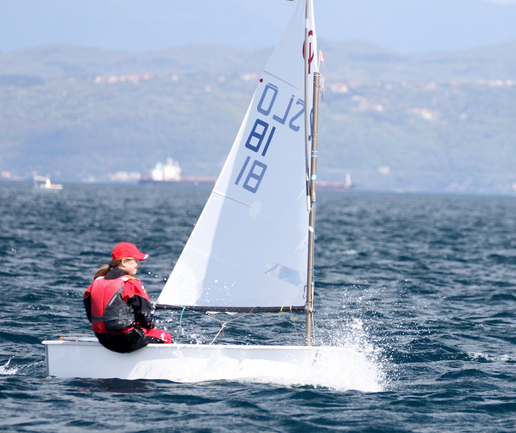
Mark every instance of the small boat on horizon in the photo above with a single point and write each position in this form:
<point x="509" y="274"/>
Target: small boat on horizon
<point x="169" y="174"/>
<point x="43" y="183"/>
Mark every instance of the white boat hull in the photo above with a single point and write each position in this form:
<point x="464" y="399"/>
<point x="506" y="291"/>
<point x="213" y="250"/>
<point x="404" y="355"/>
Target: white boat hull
<point x="288" y="365"/>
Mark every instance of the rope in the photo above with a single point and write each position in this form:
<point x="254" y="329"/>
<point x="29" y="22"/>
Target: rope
<point x="293" y="317"/>
<point x="313" y="326"/>
<point x="224" y="324"/>
<point x="220" y="330"/>
<point x="180" y="320"/>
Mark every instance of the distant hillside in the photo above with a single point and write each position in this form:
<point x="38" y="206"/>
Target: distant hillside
<point x="347" y="60"/>
<point x="359" y="61"/>
<point x="61" y="61"/>
<point x="439" y="122"/>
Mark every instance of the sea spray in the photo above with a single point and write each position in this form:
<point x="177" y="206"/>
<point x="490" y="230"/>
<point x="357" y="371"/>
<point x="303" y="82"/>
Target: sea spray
<point x="342" y="358"/>
<point x="365" y="367"/>
<point x="5" y="371"/>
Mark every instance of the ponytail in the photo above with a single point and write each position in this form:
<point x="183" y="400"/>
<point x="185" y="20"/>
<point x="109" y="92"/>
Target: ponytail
<point x="106" y="268"/>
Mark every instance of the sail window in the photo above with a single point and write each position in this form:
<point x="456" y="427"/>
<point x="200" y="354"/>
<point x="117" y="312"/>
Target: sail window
<point x="284" y="273"/>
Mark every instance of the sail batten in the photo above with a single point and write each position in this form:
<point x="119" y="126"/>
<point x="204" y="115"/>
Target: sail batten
<point x="249" y="245"/>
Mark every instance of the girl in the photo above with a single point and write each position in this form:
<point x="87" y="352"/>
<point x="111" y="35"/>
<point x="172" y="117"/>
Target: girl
<point x="117" y="304"/>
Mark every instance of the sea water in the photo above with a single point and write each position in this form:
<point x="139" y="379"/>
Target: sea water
<point x="418" y="289"/>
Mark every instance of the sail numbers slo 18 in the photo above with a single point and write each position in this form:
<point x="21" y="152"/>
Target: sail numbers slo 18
<point x="262" y="133"/>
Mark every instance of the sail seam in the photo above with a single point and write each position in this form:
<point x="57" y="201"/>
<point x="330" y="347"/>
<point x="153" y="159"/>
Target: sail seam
<point x="280" y="79"/>
<point x="232" y="199"/>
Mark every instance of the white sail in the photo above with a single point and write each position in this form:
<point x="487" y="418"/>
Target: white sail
<point x="249" y="246"/>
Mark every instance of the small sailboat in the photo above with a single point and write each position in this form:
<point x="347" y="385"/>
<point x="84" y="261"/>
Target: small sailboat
<point x="252" y="248"/>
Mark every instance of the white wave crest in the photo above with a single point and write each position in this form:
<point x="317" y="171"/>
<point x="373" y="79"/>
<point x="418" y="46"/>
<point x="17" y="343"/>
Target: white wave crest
<point x="491" y="358"/>
<point x="5" y="371"/>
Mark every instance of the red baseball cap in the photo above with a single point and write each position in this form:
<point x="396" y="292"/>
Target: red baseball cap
<point x="125" y="249"/>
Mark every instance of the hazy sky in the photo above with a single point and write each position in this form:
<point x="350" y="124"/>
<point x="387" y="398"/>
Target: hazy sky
<point x="403" y="25"/>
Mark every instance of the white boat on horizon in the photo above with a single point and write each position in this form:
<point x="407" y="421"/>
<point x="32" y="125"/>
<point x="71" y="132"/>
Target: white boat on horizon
<point x="43" y="183"/>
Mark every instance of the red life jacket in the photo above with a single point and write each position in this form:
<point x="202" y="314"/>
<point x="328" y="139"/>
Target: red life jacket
<point x="109" y="312"/>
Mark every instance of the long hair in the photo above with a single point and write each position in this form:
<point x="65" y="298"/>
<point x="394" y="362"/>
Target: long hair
<point x="106" y="268"/>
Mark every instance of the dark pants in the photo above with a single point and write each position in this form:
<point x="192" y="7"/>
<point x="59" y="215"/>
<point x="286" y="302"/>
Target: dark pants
<point x="128" y="341"/>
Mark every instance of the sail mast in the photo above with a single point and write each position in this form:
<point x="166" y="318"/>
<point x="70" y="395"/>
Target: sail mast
<point x="311" y="184"/>
<point x="311" y="222"/>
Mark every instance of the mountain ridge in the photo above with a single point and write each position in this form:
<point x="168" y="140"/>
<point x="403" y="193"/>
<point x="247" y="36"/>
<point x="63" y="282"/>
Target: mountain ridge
<point x="350" y="60"/>
<point x="433" y="122"/>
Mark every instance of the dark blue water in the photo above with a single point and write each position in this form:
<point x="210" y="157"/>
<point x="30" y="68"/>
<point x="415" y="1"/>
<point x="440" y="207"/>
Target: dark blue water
<point x="422" y="285"/>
